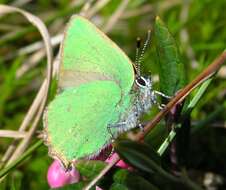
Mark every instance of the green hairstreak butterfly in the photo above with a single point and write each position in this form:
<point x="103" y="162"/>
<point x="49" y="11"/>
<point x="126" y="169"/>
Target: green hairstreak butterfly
<point x="100" y="95"/>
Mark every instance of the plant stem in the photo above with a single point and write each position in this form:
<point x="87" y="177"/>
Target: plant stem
<point x="166" y="142"/>
<point x="206" y="74"/>
<point x="6" y="170"/>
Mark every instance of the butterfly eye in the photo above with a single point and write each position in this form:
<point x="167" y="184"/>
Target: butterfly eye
<point x="141" y="82"/>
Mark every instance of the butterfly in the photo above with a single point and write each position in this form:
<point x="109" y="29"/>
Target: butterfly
<point x="101" y="94"/>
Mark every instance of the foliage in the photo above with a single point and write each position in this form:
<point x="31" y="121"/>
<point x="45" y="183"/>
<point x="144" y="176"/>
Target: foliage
<point x="189" y="35"/>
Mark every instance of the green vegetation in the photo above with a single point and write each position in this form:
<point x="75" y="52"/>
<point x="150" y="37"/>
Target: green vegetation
<point x="186" y="37"/>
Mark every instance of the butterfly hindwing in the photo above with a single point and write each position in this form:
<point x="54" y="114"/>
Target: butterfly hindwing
<point x="76" y="120"/>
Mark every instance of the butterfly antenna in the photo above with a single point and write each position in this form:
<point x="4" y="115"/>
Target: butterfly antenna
<point x="144" y="48"/>
<point x="137" y="65"/>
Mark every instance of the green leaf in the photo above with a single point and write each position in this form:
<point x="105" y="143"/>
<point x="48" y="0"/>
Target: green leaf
<point x="118" y="186"/>
<point x="139" y="155"/>
<point x="139" y="183"/>
<point x="16" y="179"/>
<point x="171" y="69"/>
<point x="130" y="180"/>
<point x="76" y="186"/>
<point x="16" y="162"/>
<point x="9" y="84"/>
<point x="120" y="176"/>
<point x="157" y="136"/>
<point x="89" y="168"/>
<point x="198" y="95"/>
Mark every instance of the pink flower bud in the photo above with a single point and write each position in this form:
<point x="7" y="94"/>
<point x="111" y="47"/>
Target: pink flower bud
<point x="58" y="177"/>
<point x="98" y="188"/>
<point x="120" y="163"/>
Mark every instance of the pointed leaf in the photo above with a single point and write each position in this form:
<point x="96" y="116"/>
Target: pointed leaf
<point x="89" y="168"/>
<point x="118" y="186"/>
<point x="140" y="155"/>
<point x="132" y="181"/>
<point x="76" y="186"/>
<point x="171" y="68"/>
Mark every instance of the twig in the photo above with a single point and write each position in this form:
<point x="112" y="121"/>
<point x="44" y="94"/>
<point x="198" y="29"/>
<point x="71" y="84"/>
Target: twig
<point x="74" y="3"/>
<point x="85" y="8"/>
<point x="103" y="172"/>
<point x="96" y="7"/>
<point x="44" y="33"/>
<point x="55" y="40"/>
<point x="20" y="3"/>
<point x="12" y="134"/>
<point x="208" y="72"/>
<point x="184" y="36"/>
<point x="20" y="33"/>
<point x="9" y="27"/>
<point x="137" y="12"/>
<point x="4" y="171"/>
<point x="34" y="59"/>
<point x="23" y="145"/>
<point x="182" y="94"/>
<point x="27" y="119"/>
<point x="117" y="14"/>
<point x="32" y="111"/>
<point x="31" y="62"/>
<point x="164" y="6"/>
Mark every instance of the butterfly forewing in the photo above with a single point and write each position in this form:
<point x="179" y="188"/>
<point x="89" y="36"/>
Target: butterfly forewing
<point x="88" y="54"/>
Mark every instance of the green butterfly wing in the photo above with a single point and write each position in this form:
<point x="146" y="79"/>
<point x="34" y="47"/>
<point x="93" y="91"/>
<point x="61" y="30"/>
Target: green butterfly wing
<point x="87" y="54"/>
<point x="95" y="79"/>
<point x="77" y="119"/>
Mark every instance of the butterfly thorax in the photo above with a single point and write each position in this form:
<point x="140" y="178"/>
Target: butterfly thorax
<point x="142" y="102"/>
<point x="145" y="96"/>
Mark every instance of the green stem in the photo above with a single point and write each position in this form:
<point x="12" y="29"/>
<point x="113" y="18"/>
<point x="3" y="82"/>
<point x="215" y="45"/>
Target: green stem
<point x="189" y="108"/>
<point x="198" y="95"/>
<point x="6" y="170"/>
<point x="166" y="142"/>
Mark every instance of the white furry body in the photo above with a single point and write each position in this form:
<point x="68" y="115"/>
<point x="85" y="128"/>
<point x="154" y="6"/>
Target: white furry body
<point x="145" y="98"/>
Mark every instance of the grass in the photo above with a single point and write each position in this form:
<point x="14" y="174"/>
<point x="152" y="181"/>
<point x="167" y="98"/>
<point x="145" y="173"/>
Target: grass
<point x="198" y="28"/>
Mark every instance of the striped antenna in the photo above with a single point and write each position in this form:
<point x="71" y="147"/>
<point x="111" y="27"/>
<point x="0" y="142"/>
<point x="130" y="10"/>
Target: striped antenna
<point x="144" y="48"/>
<point x="137" y="66"/>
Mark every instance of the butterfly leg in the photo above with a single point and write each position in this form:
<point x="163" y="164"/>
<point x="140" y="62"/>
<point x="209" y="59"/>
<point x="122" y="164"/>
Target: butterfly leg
<point x="141" y="126"/>
<point x="120" y="126"/>
<point x="162" y="94"/>
<point x="110" y="132"/>
<point x="154" y="99"/>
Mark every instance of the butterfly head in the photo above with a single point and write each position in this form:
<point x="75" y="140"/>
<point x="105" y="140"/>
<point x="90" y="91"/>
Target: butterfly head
<point x="143" y="82"/>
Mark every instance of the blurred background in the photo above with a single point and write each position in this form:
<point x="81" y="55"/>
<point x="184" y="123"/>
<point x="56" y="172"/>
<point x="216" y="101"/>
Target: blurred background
<point x="199" y="30"/>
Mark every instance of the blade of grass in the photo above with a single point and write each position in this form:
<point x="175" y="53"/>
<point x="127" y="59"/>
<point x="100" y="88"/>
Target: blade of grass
<point x="36" y="22"/>
<point x="7" y="169"/>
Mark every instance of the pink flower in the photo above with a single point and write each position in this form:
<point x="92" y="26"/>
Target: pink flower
<point x="58" y="177"/>
<point x="120" y="163"/>
<point x="98" y="188"/>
